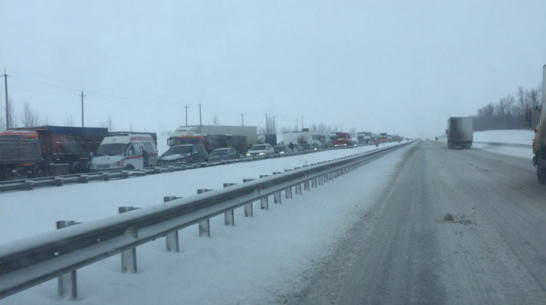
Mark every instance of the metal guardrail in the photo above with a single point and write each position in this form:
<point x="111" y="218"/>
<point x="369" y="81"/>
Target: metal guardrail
<point x="505" y="144"/>
<point x="29" y="262"/>
<point x="31" y="183"/>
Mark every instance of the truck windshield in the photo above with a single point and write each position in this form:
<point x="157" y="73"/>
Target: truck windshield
<point x="184" y="149"/>
<point x="219" y="152"/>
<point x="111" y="149"/>
<point x="279" y="148"/>
<point x="257" y="147"/>
<point x="179" y="141"/>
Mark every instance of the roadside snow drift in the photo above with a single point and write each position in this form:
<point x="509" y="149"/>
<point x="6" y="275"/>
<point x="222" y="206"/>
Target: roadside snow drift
<point x="245" y="264"/>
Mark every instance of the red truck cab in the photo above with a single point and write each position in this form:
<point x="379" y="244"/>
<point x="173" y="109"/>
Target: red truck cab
<point x="343" y="139"/>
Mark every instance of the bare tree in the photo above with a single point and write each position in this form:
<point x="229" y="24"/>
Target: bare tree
<point x="215" y="120"/>
<point x="28" y="117"/>
<point x="108" y="123"/>
<point x="69" y="122"/>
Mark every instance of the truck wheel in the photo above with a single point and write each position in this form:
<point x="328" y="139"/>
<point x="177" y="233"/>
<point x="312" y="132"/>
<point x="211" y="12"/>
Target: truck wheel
<point x="78" y="167"/>
<point x="541" y="174"/>
<point x="38" y="171"/>
<point x="3" y="173"/>
<point x="129" y="167"/>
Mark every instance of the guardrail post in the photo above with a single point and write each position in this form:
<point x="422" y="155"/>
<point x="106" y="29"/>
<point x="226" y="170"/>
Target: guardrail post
<point x="229" y="216"/>
<point x="204" y="225"/>
<point x="128" y="256"/>
<point x="277" y="197"/>
<point x="288" y="192"/>
<point x="306" y="185"/>
<point x="249" y="209"/>
<point x="264" y="203"/>
<point x="67" y="281"/>
<point x="171" y="239"/>
<point x="204" y="228"/>
<point x="298" y="189"/>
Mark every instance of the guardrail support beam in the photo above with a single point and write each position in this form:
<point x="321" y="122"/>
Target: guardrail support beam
<point x="229" y="218"/>
<point x="171" y="239"/>
<point x="306" y="185"/>
<point x="298" y="189"/>
<point x="277" y="198"/>
<point x="67" y="282"/>
<point x="128" y="256"/>
<point x="204" y="228"/>
<point x="129" y="260"/>
<point x="288" y="193"/>
<point x="264" y="203"/>
<point x="249" y="210"/>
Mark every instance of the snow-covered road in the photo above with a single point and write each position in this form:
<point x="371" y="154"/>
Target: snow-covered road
<point x="403" y="251"/>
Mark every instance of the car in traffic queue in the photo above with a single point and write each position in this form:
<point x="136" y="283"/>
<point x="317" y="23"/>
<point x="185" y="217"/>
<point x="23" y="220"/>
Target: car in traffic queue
<point x="184" y="154"/>
<point x="282" y="150"/>
<point x="260" y="150"/>
<point x="224" y="154"/>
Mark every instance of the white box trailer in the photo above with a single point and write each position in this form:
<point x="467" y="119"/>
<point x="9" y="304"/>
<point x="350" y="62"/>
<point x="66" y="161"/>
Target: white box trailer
<point x="249" y="132"/>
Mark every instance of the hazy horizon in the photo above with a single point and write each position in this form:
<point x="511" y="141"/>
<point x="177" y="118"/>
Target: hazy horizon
<point x="381" y="66"/>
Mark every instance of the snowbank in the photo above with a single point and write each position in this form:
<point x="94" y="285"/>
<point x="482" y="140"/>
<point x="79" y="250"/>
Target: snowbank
<point x="24" y="214"/>
<point x="505" y="136"/>
<point x="524" y="137"/>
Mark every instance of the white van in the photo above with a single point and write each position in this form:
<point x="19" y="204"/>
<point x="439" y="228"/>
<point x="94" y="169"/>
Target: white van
<point x="125" y="151"/>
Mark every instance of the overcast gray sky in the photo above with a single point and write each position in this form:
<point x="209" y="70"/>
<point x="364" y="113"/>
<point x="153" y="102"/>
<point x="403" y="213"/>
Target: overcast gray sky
<point x="395" y="66"/>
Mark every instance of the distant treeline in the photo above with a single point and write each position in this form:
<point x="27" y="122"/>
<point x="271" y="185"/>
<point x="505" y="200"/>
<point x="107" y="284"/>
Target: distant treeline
<point x="511" y="112"/>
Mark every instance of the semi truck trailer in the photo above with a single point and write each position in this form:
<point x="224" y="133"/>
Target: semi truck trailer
<point x="459" y="132"/>
<point x="216" y="136"/>
<point x="539" y="142"/>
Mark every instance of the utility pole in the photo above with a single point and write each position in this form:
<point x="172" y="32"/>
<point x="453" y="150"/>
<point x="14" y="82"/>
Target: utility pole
<point x="186" y="114"/>
<point x="302" y="122"/>
<point x="200" y="121"/>
<point x="266" y="125"/>
<point x="274" y="127"/>
<point x="82" y="96"/>
<point x="7" y="103"/>
<point x="242" y="120"/>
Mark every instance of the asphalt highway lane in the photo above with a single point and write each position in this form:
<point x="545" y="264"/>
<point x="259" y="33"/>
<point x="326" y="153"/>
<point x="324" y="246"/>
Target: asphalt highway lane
<point x="452" y="227"/>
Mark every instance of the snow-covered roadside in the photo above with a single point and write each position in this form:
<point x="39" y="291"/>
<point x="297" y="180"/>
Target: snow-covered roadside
<point x="246" y="264"/>
<point x="24" y="214"/>
<point x="505" y="136"/>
